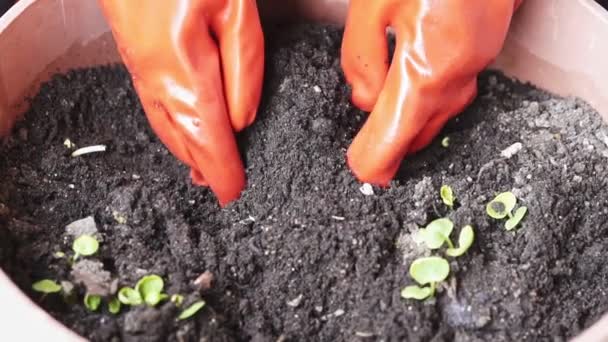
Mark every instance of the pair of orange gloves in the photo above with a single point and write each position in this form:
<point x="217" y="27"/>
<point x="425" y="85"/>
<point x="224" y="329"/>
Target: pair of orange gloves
<point x="197" y="66"/>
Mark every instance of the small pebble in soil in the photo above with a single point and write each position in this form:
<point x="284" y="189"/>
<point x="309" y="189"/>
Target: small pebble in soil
<point x="85" y="226"/>
<point x="367" y="189"/>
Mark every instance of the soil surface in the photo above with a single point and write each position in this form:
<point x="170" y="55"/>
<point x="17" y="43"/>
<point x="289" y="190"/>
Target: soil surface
<point x="304" y="255"/>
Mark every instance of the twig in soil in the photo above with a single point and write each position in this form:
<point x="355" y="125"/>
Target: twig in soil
<point x="487" y="166"/>
<point x="364" y="334"/>
<point x="89" y="149"/>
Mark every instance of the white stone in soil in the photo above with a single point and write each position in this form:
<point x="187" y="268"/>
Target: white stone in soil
<point x="85" y="226"/>
<point x="511" y="150"/>
<point x="367" y="189"/>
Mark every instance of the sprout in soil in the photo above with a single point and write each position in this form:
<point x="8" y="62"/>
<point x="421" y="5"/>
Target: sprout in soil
<point x="114" y="306"/>
<point x="129" y="296"/>
<point x="46" y="286"/>
<point x="437" y="232"/>
<point x="516" y="218"/>
<point x="501" y="206"/>
<point x="428" y="270"/>
<point x="447" y="195"/>
<point x="85" y="245"/>
<point x="69" y="144"/>
<point x="445" y="142"/>
<point x="59" y="255"/>
<point x="191" y="310"/>
<point x="465" y="240"/>
<point x="92" y="302"/>
<point x="150" y="288"/>
<point x="177" y="299"/>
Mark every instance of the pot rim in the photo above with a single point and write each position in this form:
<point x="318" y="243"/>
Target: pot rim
<point x="545" y="52"/>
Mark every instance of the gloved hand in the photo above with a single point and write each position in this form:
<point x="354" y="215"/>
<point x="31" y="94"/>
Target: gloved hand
<point x="197" y="66"/>
<point x="441" y="47"/>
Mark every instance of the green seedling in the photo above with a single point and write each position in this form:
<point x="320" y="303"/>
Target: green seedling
<point x="114" y="306"/>
<point x="447" y="195"/>
<point x="191" y="310"/>
<point x="92" y="302"/>
<point x="129" y="296"/>
<point x="150" y="288"/>
<point x="46" y="286"/>
<point x="516" y="218"/>
<point x="416" y="292"/>
<point x="437" y="233"/>
<point x="85" y="245"/>
<point x="501" y="206"/>
<point x="177" y="299"/>
<point x="429" y="270"/>
<point x="59" y="255"/>
<point x="465" y="240"/>
<point x="445" y="142"/>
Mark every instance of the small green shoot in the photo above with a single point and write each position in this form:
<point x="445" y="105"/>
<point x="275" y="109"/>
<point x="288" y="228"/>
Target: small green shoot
<point x="129" y="296"/>
<point x="85" y="245"/>
<point x="437" y="232"/>
<point x="46" y="286"/>
<point x="445" y="142"/>
<point x="416" y="292"/>
<point x="177" y="299"/>
<point x="114" y="306"/>
<point x="465" y="240"/>
<point x="501" y="206"/>
<point x="150" y="288"/>
<point x="58" y="255"/>
<point x="516" y="218"/>
<point x="447" y="195"/>
<point x="191" y="310"/>
<point x="91" y="302"/>
<point x="429" y="270"/>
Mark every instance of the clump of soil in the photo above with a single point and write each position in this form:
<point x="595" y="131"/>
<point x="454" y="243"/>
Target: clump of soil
<point x="304" y="255"/>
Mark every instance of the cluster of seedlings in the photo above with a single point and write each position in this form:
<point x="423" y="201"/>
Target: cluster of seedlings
<point x="148" y="290"/>
<point x="428" y="272"/>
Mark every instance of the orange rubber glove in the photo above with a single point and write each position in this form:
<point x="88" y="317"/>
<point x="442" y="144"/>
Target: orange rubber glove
<point x="197" y="66"/>
<point x="441" y="47"/>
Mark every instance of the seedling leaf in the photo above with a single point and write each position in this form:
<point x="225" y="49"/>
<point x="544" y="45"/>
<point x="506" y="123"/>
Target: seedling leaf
<point x="59" y="255"/>
<point x="46" y="286"/>
<point x="85" y="245"/>
<point x="114" y="306"/>
<point x="129" y="296"/>
<point x="154" y="298"/>
<point x="437" y="232"/>
<point x="517" y="217"/>
<point x="191" y="310"/>
<point x="416" y="292"/>
<point x="465" y="240"/>
<point x="92" y="302"/>
<point x="429" y="270"/>
<point x="447" y="195"/>
<point x="177" y="299"/>
<point x="501" y="205"/>
<point x="445" y="142"/>
<point x="150" y="288"/>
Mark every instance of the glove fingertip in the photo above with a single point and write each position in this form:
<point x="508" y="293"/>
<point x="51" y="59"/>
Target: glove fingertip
<point x="197" y="178"/>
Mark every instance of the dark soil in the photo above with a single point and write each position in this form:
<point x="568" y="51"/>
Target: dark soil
<point x="304" y="255"/>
